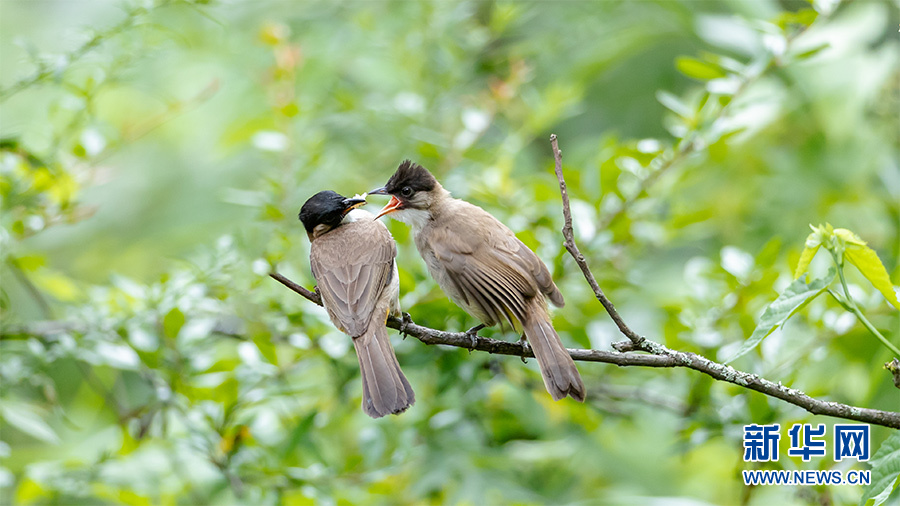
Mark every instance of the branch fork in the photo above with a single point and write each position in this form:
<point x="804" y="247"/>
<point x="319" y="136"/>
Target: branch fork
<point x="655" y="354"/>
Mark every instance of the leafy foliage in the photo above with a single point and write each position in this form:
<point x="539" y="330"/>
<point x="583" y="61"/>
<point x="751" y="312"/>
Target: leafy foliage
<point x="885" y="470"/>
<point x="794" y="297"/>
<point x="846" y="245"/>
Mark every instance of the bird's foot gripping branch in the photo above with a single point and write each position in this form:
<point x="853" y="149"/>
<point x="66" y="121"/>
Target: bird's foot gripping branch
<point x="637" y="350"/>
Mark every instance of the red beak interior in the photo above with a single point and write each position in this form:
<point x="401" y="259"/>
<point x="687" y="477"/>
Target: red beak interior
<point x="392" y="206"/>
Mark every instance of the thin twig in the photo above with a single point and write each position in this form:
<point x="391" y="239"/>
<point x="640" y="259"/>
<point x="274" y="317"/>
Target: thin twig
<point x="686" y="149"/>
<point x="576" y="254"/>
<point x="640" y="396"/>
<point x="310" y="296"/>
<point x="46" y="70"/>
<point x="693" y="361"/>
<point x="853" y="308"/>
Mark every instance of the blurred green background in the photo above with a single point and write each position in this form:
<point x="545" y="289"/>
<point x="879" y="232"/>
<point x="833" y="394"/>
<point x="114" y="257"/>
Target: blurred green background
<point x="155" y="154"/>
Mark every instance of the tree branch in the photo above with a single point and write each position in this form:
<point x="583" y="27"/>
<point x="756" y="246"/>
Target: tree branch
<point x="568" y="234"/>
<point x="658" y="355"/>
<point x="310" y="296"/>
<point x="718" y="371"/>
<point x="663" y="357"/>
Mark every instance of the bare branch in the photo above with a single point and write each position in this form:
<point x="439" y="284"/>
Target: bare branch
<point x="718" y="371"/>
<point x="657" y="354"/>
<point x="660" y="357"/>
<point x="576" y="254"/>
<point x="310" y="296"/>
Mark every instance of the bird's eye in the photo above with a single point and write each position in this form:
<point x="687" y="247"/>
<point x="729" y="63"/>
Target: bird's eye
<point x="406" y="191"/>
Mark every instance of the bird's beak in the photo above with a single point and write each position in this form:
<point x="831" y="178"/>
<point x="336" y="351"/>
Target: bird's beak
<point x="351" y="204"/>
<point x="393" y="205"/>
<point x="379" y="191"/>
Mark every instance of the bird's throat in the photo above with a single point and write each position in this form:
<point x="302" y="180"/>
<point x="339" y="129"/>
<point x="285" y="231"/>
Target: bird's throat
<point x="415" y="218"/>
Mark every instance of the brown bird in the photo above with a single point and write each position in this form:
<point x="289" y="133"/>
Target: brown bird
<point x="352" y="258"/>
<point x="483" y="268"/>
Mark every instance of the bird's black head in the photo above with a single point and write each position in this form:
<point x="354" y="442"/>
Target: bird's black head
<point x="409" y="187"/>
<point x="325" y="210"/>
<point x="409" y="179"/>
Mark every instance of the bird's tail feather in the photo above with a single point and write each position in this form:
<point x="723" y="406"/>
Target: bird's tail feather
<point x="557" y="367"/>
<point x="385" y="388"/>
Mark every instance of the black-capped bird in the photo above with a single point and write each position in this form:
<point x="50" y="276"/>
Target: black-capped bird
<point x="352" y="258"/>
<point x="483" y="268"/>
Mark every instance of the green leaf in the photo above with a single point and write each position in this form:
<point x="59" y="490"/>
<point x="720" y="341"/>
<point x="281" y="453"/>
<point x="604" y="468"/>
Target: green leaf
<point x="273" y="213"/>
<point x="674" y="104"/>
<point x="30" y="263"/>
<point x="172" y="322"/>
<point x="885" y="470"/>
<point x="266" y="347"/>
<point x="59" y="285"/>
<point x="698" y="69"/>
<point x="866" y="260"/>
<point x="804" y="17"/>
<point x="26" y="418"/>
<point x="29" y="491"/>
<point x="848" y="237"/>
<point x="809" y="53"/>
<point x="794" y="297"/>
<point x="805" y="258"/>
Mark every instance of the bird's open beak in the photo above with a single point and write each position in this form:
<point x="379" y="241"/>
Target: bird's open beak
<point x="351" y="204"/>
<point x="393" y="205"/>
<point x="379" y="191"/>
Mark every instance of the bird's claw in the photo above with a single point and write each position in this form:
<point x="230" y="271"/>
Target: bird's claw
<point x="472" y="334"/>
<point x="405" y="321"/>
<point x="524" y="344"/>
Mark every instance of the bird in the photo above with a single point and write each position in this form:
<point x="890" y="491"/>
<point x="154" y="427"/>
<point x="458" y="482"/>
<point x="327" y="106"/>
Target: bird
<point x="483" y="268"/>
<point x="351" y="256"/>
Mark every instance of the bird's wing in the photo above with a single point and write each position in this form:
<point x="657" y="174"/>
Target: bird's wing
<point x="530" y="262"/>
<point x="491" y="268"/>
<point x="352" y="265"/>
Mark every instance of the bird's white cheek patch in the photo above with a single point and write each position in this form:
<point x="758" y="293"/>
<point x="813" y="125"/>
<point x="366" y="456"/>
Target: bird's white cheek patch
<point x="415" y="218"/>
